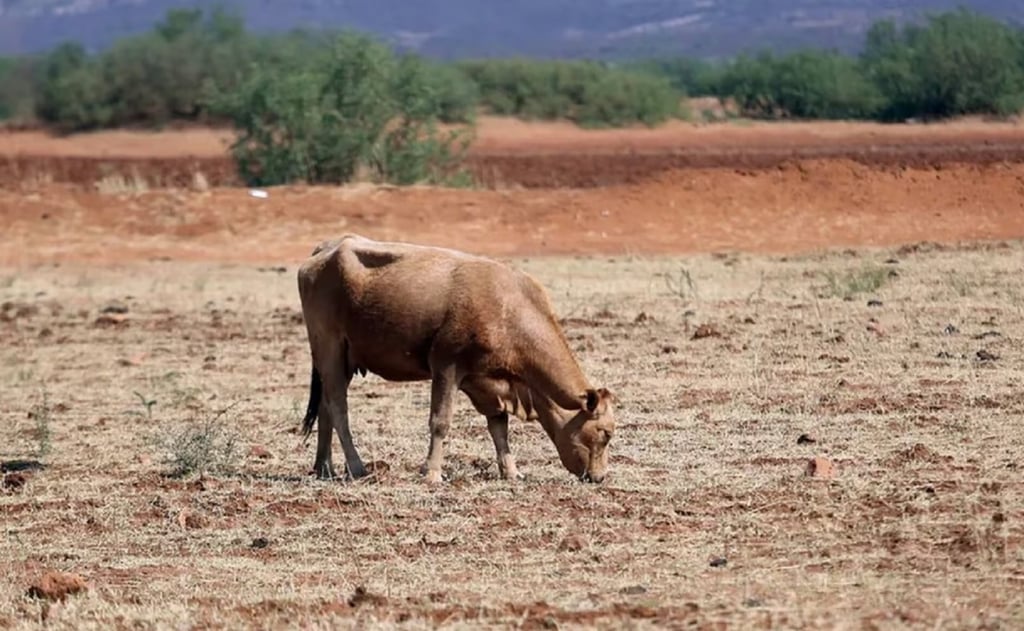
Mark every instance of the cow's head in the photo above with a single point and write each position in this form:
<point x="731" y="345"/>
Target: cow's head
<point x="583" y="441"/>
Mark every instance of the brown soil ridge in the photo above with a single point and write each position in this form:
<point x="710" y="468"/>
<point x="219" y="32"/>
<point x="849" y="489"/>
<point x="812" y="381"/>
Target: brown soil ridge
<point x="798" y="207"/>
<point x="495" y="171"/>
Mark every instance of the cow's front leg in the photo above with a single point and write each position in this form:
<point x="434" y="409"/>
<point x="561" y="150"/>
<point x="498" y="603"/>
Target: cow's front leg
<point x="442" y="396"/>
<point x="497" y="425"/>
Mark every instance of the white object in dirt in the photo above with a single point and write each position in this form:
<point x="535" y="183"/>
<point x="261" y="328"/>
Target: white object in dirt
<point x="258" y="193"/>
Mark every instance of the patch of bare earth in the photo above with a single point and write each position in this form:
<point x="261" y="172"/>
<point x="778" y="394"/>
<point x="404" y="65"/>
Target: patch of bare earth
<point x="734" y="373"/>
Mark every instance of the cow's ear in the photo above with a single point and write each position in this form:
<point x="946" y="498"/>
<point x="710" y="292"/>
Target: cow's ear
<point x="607" y="395"/>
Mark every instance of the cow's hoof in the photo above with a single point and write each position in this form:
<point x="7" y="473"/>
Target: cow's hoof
<point x="358" y="472"/>
<point x="325" y="473"/>
<point x="434" y="478"/>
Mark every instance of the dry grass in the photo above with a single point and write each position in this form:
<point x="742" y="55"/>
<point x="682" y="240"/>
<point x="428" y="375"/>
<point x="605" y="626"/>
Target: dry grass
<point x="118" y="184"/>
<point x="921" y="527"/>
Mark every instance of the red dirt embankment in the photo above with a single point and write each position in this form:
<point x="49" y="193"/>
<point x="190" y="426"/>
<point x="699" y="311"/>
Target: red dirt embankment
<point x="798" y="207"/>
<point x="510" y="153"/>
<point x="680" y="188"/>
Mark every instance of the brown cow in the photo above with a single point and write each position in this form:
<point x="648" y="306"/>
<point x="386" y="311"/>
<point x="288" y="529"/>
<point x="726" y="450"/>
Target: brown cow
<point x="410" y="312"/>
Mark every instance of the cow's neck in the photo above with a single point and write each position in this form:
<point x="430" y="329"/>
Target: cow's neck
<point x="550" y="415"/>
<point x="551" y="371"/>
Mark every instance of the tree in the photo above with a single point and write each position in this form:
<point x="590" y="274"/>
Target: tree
<point x="363" y="110"/>
<point x="958" y="63"/>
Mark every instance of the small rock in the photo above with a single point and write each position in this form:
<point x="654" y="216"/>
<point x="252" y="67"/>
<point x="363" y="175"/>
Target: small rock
<point x="115" y="307"/>
<point x="189" y="520"/>
<point x="944" y="355"/>
<point x="820" y="468"/>
<point x="14" y="481"/>
<point x="951" y="330"/>
<point x="380" y="467"/>
<point x="641" y="318"/>
<point x="363" y="597"/>
<point x="439" y="541"/>
<point x="45" y="332"/>
<point x="111" y="319"/>
<point x="633" y="590"/>
<point x="892" y="261"/>
<point x="260" y="453"/>
<point x="753" y="602"/>
<point x="259" y="543"/>
<point x="572" y="543"/>
<point x="135" y="360"/>
<point x="874" y="303"/>
<point x="985" y="356"/>
<point x="706" y="330"/>
<point x="56" y="586"/>
<point x="806" y="439"/>
<point x="749" y="320"/>
<point x="876" y="328"/>
<point x="669" y="349"/>
<point x="719" y="562"/>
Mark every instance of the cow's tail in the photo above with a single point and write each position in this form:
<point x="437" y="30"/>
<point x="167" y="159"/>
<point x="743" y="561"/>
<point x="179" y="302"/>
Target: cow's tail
<point x="316" y="391"/>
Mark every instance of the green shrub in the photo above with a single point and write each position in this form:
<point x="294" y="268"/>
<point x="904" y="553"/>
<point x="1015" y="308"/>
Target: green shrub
<point x="804" y="84"/>
<point x="17" y="90"/>
<point x="616" y="100"/>
<point x="72" y="95"/>
<point x="363" y="109"/>
<point x="952" y="64"/>
<point x="693" y="77"/>
<point x="585" y="92"/>
<point x="958" y="63"/>
<point x="148" y="79"/>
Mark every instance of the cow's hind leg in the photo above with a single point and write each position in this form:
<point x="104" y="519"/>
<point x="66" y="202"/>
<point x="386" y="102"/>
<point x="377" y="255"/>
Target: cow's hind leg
<point x="337" y="377"/>
<point x="497" y="425"/>
<point x="322" y="466"/>
<point x="442" y="398"/>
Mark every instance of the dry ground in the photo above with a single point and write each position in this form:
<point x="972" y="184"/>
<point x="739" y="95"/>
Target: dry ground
<point x="138" y="301"/>
<point x="707" y="519"/>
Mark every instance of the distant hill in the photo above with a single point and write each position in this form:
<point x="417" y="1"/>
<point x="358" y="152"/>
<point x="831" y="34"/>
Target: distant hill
<point x="479" y="28"/>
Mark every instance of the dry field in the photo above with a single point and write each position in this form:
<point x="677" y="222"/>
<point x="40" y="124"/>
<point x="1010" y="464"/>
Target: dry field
<point x="708" y="518"/>
<point x="757" y="296"/>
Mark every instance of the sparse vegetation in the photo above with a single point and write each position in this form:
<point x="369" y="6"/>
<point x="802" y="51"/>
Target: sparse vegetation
<point x="681" y="285"/>
<point x="850" y="283"/>
<point x="709" y="473"/>
<point x="147" y="404"/>
<point x="199" y="447"/>
<point x="42" y="415"/>
<point x="118" y="184"/>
